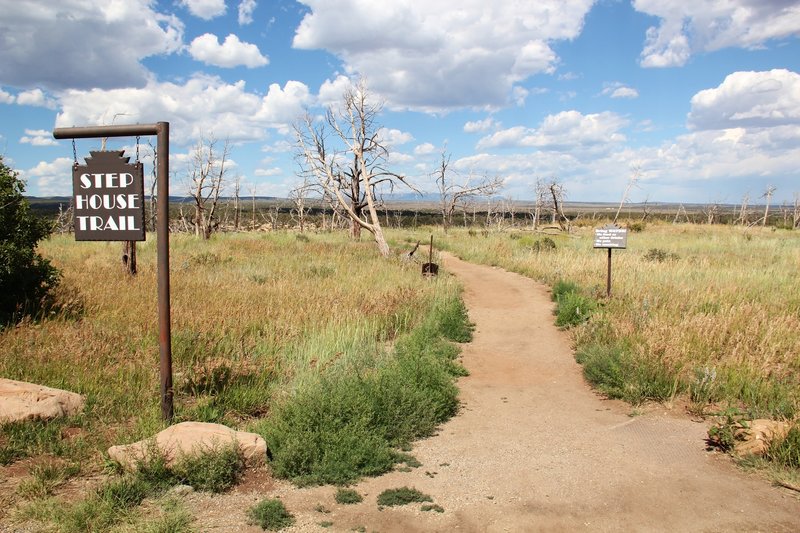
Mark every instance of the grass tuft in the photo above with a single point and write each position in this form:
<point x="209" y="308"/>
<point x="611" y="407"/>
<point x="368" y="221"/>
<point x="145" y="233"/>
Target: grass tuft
<point x="402" y="496"/>
<point x="270" y="515"/>
<point x="347" y="496"/>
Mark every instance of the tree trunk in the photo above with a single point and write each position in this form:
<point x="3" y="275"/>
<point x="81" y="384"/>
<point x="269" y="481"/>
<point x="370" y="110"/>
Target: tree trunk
<point x="129" y="257"/>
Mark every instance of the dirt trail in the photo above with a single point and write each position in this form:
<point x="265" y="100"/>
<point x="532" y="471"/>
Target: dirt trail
<point x="534" y="449"/>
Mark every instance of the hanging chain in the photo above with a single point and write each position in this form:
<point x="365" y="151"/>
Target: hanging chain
<point x="74" y="152"/>
<point x="137" y="148"/>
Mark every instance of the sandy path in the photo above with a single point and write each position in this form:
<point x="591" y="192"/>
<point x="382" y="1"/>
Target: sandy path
<point x="534" y="449"/>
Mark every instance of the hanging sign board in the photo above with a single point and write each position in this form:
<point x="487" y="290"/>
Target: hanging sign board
<point x="610" y="236"/>
<point x="108" y="198"/>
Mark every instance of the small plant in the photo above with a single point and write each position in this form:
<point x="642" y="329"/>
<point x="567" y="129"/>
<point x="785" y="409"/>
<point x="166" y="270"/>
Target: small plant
<point x="657" y="255"/>
<point x="786" y="451"/>
<point x="45" y="478"/>
<point x="723" y="434"/>
<point x="270" y="515"/>
<point x="637" y="227"/>
<point x="409" y="460"/>
<point x="347" y="497"/>
<point x="545" y="245"/>
<point x="215" y="470"/>
<point x="401" y="496"/>
<point x="432" y="507"/>
<point x="704" y="387"/>
<point x="325" y="523"/>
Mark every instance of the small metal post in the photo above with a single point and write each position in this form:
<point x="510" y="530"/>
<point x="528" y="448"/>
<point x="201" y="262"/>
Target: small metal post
<point x="608" y="280"/>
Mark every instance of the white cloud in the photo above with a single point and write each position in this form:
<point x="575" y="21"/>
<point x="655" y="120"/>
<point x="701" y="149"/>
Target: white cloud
<point x="35" y="98"/>
<point x="268" y="172"/>
<point x="393" y="137"/>
<point x="202" y="105"/>
<point x="231" y="53"/>
<point x="430" y="56"/>
<point x="424" y="149"/>
<point x="331" y="92"/>
<point x="99" y="44"/>
<point x="53" y="178"/>
<point x="6" y="98"/>
<point x="38" y="138"/>
<point x="749" y="99"/>
<point x="205" y="9"/>
<point x="691" y="27"/>
<point x="246" y="8"/>
<point x="620" y="90"/>
<point x="479" y="125"/>
<point x="565" y="130"/>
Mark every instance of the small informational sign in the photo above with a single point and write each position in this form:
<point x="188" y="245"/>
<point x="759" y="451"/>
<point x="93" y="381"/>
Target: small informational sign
<point x="108" y="198"/>
<point x="610" y="236"/>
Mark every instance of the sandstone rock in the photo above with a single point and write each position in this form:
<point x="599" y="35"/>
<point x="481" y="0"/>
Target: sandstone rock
<point x="22" y="401"/>
<point x="189" y="439"/>
<point x="756" y="437"/>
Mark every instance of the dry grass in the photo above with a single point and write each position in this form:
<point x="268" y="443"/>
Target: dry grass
<point x="723" y="302"/>
<point x="274" y="307"/>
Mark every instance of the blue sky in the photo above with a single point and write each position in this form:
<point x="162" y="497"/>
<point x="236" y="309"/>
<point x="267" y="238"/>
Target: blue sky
<point x="701" y="96"/>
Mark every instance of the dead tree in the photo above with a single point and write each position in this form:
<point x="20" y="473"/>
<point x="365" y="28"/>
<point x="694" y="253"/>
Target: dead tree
<point x="768" y="196"/>
<point x="540" y="192"/>
<point x="796" y="213"/>
<point x="452" y="193"/>
<point x="299" y="198"/>
<point x="346" y="156"/>
<point x="557" y="194"/>
<point x="635" y="175"/>
<point x="711" y="211"/>
<point x="742" y="219"/>
<point x="237" y="204"/>
<point x="206" y="175"/>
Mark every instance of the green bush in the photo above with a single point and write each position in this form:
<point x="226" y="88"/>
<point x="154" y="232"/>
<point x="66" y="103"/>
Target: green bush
<point x="26" y="278"/>
<point x="402" y="496"/>
<point x="214" y="470"/>
<point x="618" y="374"/>
<point x="345" y="424"/>
<point x="347" y="496"/>
<point x="270" y="515"/>
<point x="657" y="255"/>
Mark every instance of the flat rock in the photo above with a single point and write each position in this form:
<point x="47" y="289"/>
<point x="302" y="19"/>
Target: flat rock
<point x="24" y="401"/>
<point x="756" y="436"/>
<point x="190" y="439"/>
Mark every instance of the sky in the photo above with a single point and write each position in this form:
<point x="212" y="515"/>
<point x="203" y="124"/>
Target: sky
<point x="699" y="99"/>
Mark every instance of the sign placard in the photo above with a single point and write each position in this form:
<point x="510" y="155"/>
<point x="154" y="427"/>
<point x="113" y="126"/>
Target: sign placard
<point x="610" y="236"/>
<point x="108" y="198"/>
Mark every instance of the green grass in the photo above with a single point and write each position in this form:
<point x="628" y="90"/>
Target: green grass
<point x="401" y="496"/>
<point x="346" y="423"/>
<point x="270" y="515"/>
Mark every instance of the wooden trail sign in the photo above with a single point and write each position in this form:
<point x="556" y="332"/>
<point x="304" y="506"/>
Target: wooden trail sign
<point x="108" y="198"/>
<point x="610" y="236"/>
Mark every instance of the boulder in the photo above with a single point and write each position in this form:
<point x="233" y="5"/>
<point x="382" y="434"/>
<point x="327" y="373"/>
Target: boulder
<point x="190" y="439"/>
<point x="23" y="401"/>
<point x="756" y="436"/>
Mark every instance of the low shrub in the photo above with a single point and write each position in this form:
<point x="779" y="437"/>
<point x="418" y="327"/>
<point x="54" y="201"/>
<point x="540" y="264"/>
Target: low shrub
<point x="572" y="306"/>
<point x="401" y="496"/>
<point x="270" y="515"/>
<point x="345" y="423"/>
<point x="215" y="470"/>
<point x="618" y="374"/>
<point x="657" y="255"/>
<point x="347" y="496"/>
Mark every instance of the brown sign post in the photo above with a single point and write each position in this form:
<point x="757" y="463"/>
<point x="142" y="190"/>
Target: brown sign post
<point x="610" y="236"/>
<point x="111" y="181"/>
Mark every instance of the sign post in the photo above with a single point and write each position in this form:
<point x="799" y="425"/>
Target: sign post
<point x="610" y="236"/>
<point x="100" y="223"/>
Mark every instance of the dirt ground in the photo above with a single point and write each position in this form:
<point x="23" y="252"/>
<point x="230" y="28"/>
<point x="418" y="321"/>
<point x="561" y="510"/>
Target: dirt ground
<point x="534" y="449"/>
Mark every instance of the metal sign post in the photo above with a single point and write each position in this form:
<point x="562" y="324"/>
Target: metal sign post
<point x="610" y="237"/>
<point x="161" y="130"/>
